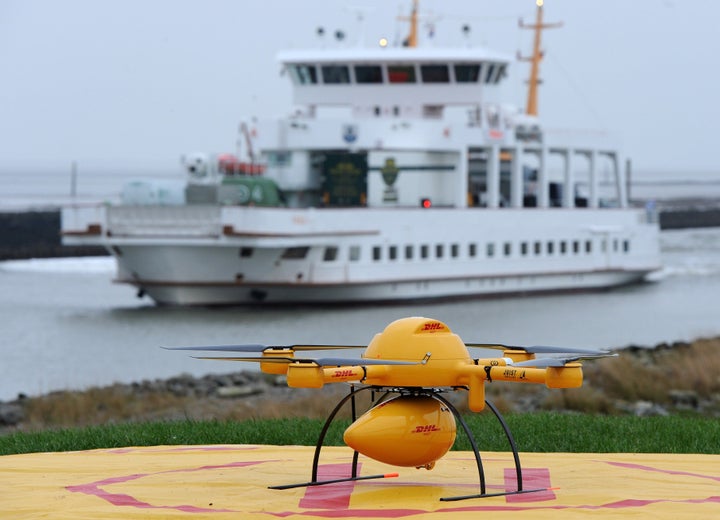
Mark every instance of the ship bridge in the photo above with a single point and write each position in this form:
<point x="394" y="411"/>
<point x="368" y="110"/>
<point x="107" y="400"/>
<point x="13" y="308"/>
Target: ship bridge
<point x="395" y="82"/>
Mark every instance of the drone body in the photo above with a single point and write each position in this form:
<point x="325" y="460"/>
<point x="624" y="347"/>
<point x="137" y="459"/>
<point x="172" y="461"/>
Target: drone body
<point x="417" y="358"/>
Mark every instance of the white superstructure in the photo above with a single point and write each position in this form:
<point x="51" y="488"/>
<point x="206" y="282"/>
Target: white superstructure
<point x="402" y="174"/>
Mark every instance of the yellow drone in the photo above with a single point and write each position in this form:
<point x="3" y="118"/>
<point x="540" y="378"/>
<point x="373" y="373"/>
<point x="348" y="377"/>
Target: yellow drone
<point x="418" y="359"/>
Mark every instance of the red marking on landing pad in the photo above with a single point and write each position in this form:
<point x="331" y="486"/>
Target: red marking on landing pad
<point x="335" y="496"/>
<point x="123" y="451"/>
<point x="121" y="499"/>
<point x="333" y="500"/>
<point x="641" y="467"/>
<point x="533" y="478"/>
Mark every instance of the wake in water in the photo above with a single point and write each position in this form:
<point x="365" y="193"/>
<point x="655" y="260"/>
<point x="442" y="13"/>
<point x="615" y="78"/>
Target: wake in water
<point x="81" y="265"/>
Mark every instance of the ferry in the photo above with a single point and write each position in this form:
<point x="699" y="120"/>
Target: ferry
<point x="402" y="174"/>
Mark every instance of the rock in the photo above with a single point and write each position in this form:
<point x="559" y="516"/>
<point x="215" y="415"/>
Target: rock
<point x="684" y="399"/>
<point x="240" y="391"/>
<point x="648" y="409"/>
<point x="11" y="414"/>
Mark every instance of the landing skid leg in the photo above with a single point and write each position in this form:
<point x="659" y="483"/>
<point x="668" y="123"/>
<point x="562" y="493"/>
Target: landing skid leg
<point x="321" y="439"/>
<point x="518" y="469"/>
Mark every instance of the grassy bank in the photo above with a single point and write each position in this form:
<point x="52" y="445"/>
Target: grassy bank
<point x="533" y="432"/>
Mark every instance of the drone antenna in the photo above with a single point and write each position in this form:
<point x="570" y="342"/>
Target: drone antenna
<point x="426" y="358"/>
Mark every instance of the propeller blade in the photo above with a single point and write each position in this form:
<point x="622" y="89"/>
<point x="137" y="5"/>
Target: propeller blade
<point x="325" y="362"/>
<point x="360" y="362"/>
<point x="261" y="348"/>
<point x="323" y="347"/>
<point x="223" y="348"/>
<point x="285" y="360"/>
<point x="558" y="362"/>
<point x="538" y="349"/>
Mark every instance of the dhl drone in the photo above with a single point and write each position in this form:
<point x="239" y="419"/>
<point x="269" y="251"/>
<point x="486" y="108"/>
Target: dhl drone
<point x="416" y="360"/>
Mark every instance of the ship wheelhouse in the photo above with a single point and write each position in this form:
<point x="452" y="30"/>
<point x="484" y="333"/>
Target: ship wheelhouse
<point x="437" y="113"/>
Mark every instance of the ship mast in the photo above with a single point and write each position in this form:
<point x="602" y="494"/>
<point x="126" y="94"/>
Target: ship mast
<point x="412" y="37"/>
<point x="531" y="108"/>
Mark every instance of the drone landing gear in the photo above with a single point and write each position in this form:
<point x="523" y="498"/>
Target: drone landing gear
<point x="435" y="394"/>
<point x="316" y="458"/>
<point x="481" y="472"/>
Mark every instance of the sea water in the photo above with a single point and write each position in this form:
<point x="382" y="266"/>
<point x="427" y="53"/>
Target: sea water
<point x="64" y="324"/>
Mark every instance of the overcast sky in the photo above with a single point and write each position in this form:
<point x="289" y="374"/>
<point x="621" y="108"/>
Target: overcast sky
<point x="137" y="83"/>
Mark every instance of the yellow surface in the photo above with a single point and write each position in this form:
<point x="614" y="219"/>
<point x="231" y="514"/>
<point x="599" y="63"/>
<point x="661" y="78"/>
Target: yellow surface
<point x="231" y="482"/>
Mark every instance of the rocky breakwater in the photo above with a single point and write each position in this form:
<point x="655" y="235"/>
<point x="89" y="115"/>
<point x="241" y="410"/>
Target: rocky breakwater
<point x="36" y="234"/>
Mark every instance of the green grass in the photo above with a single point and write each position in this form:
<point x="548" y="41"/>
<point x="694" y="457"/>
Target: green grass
<point x="537" y="432"/>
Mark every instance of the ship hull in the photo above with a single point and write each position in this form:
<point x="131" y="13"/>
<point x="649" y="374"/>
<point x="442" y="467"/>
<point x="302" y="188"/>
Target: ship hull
<point x="178" y="293"/>
<point x="228" y="256"/>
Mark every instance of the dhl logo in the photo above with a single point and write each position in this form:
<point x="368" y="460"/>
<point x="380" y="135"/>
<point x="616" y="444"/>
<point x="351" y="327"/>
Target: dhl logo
<point x="432" y="326"/>
<point x="343" y="373"/>
<point x="426" y="428"/>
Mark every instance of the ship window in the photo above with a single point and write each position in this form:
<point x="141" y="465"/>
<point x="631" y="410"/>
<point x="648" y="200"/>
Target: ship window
<point x="333" y="74"/>
<point x="588" y="246"/>
<point x="295" y="253"/>
<point x="401" y="73"/>
<point x="392" y="252"/>
<point x="432" y="111"/>
<point x="304" y="74"/>
<point x="377" y="253"/>
<point x="246" y="252"/>
<point x="507" y="248"/>
<point x="424" y="251"/>
<point x="538" y="247"/>
<point x="563" y="247"/>
<point x="489" y="73"/>
<point x="576" y="246"/>
<point x="472" y="250"/>
<point x="467" y="73"/>
<point x="550" y="248"/>
<point x="434" y="73"/>
<point x="490" y="250"/>
<point x="439" y="250"/>
<point x="354" y="253"/>
<point x="502" y="72"/>
<point x="615" y="245"/>
<point x="376" y="110"/>
<point x="454" y="250"/>
<point x="368" y="74"/>
<point x="279" y="158"/>
<point x="409" y="252"/>
<point x="523" y="248"/>
<point x="330" y="254"/>
<point x="626" y="246"/>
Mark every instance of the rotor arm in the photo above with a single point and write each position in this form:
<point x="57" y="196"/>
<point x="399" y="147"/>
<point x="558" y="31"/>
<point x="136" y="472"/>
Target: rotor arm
<point x="311" y="375"/>
<point x="567" y="376"/>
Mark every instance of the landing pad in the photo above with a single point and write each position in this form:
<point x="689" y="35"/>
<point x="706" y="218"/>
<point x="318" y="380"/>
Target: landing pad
<point x="232" y="482"/>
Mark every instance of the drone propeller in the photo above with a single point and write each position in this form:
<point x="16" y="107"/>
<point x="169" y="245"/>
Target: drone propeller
<point x="539" y="349"/>
<point x="324" y="362"/>
<point x="558" y="362"/>
<point x="258" y="348"/>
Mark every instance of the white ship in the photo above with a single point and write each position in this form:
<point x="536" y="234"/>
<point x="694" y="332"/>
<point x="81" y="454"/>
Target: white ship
<point x="402" y="175"/>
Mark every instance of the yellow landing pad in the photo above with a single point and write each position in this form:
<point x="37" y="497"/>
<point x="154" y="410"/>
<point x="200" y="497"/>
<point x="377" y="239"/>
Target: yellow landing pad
<point x="232" y="482"/>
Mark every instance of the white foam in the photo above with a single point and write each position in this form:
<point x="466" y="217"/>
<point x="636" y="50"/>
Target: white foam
<point x="79" y="265"/>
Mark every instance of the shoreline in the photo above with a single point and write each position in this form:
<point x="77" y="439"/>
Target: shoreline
<point x="668" y="379"/>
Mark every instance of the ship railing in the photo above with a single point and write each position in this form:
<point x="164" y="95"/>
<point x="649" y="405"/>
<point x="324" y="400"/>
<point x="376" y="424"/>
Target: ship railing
<point x="190" y="221"/>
